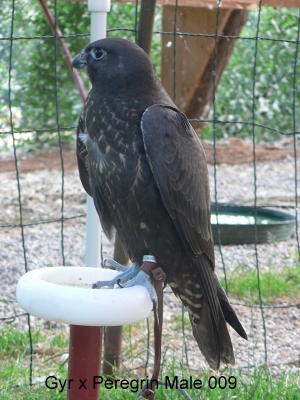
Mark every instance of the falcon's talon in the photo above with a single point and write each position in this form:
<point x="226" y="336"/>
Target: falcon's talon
<point x="109" y="262"/>
<point x="119" y="284"/>
<point x="131" y="276"/>
<point x="142" y="279"/>
<point x="128" y="273"/>
<point x="100" y="284"/>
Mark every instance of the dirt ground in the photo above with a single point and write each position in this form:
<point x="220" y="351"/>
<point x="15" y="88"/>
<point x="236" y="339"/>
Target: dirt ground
<point x="228" y="151"/>
<point x="45" y="243"/>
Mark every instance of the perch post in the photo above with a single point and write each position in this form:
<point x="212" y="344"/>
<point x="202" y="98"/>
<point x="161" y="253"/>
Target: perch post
<point x="64" y="294"/>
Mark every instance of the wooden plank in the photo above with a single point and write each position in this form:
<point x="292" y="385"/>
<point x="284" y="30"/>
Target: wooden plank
<point x="200" y="96"/>
<point x="249" y="4"/>
<point x="232" y="4"/>
<point x="192" y="52"/>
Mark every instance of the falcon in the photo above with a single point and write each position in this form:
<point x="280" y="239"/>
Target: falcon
<point x="145" y="168"/>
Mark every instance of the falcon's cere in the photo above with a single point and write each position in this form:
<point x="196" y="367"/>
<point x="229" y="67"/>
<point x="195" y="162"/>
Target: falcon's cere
<point x="145" y="168"/>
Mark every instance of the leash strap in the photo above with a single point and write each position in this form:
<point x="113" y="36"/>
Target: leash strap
<point x="155" y="271"/>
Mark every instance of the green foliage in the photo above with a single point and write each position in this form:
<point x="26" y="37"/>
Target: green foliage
<point x="39" y="71"/>
<point x="122" y="21"/>
<point x="13" y="341"/>
<point x="228" y="384"/>
<point x="274" y="284"/>
<point x="274" y="66"/>
<point x="59" y="341"/>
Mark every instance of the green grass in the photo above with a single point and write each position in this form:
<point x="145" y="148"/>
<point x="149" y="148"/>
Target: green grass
<point x="178" y="322"/>
<point x="230" y="384"/>
<point x="274" y="285"/>
<point x="50" y="345"/>
<point x="15" y="361"/>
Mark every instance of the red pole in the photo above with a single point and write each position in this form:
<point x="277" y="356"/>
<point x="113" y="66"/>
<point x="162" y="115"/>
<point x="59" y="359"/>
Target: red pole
<point x="84" y="362"/>
<point x="64" y="48"/>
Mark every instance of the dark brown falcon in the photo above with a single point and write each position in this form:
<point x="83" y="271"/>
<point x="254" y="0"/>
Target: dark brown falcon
<point x="143" y="164"/>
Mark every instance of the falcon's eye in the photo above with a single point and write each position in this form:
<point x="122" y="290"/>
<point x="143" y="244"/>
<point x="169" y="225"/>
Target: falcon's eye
<point x="97" y="54"/>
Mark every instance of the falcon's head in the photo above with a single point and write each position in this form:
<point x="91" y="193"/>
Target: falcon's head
<point x="116" y="64"/>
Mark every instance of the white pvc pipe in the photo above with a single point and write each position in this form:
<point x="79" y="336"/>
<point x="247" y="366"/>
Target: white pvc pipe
<point x="93" y="236"/>
<point x="99" y="10"/>
<point x="65" y="294"/>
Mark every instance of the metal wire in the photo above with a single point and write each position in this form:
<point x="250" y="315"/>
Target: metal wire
<point x="175" y="33"/>
<point x="255" y="188"/>
<point x="18" y="183"/>
<point x="172" y="33"/>
<point x="214" y="120"/>
<point x="59" y="134"/>
<point x="294" y="139"/>
<point x="215" y="143"/>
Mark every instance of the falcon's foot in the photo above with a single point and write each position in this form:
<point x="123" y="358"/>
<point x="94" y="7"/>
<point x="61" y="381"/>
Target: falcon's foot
<point x="129" y="277"/>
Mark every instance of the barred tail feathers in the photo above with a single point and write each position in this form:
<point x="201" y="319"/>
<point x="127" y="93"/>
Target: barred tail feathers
<point x="209" y="327"/>
<point x="213" y="341"/>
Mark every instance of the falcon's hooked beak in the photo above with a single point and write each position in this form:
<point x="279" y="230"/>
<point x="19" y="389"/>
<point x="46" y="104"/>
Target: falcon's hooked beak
<point x="79" y="61"/>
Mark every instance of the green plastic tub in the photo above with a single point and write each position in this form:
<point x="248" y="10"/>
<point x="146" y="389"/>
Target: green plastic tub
<point x="235" y="224"/>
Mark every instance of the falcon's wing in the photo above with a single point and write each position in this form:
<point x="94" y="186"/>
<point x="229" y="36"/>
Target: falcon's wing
<point x="178" y="163"/>
<point x="82" y="158"/>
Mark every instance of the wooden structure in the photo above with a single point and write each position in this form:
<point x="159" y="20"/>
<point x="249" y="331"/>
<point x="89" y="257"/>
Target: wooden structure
<point x="233" y="4"/>
<point x="200" y="60"/>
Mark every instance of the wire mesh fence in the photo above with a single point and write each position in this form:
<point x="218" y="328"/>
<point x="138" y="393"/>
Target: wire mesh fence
<point x="43" y="203"/>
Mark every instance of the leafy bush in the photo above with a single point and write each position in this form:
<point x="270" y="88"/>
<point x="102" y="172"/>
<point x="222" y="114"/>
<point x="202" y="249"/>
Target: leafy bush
<point x="38" y="70"/>
<point x="274" y="77"/>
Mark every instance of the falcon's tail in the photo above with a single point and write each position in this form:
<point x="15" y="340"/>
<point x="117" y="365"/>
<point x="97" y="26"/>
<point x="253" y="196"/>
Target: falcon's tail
<point x="228" y="312"/>
<point x="212" y="336"/>
<point x="214" y="342"/>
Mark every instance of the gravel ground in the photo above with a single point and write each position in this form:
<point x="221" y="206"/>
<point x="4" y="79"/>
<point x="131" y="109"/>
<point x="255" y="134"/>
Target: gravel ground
<point x="41" y="200"/>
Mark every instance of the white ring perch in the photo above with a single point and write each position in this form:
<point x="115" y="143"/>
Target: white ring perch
<point x="65" y="294"/>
